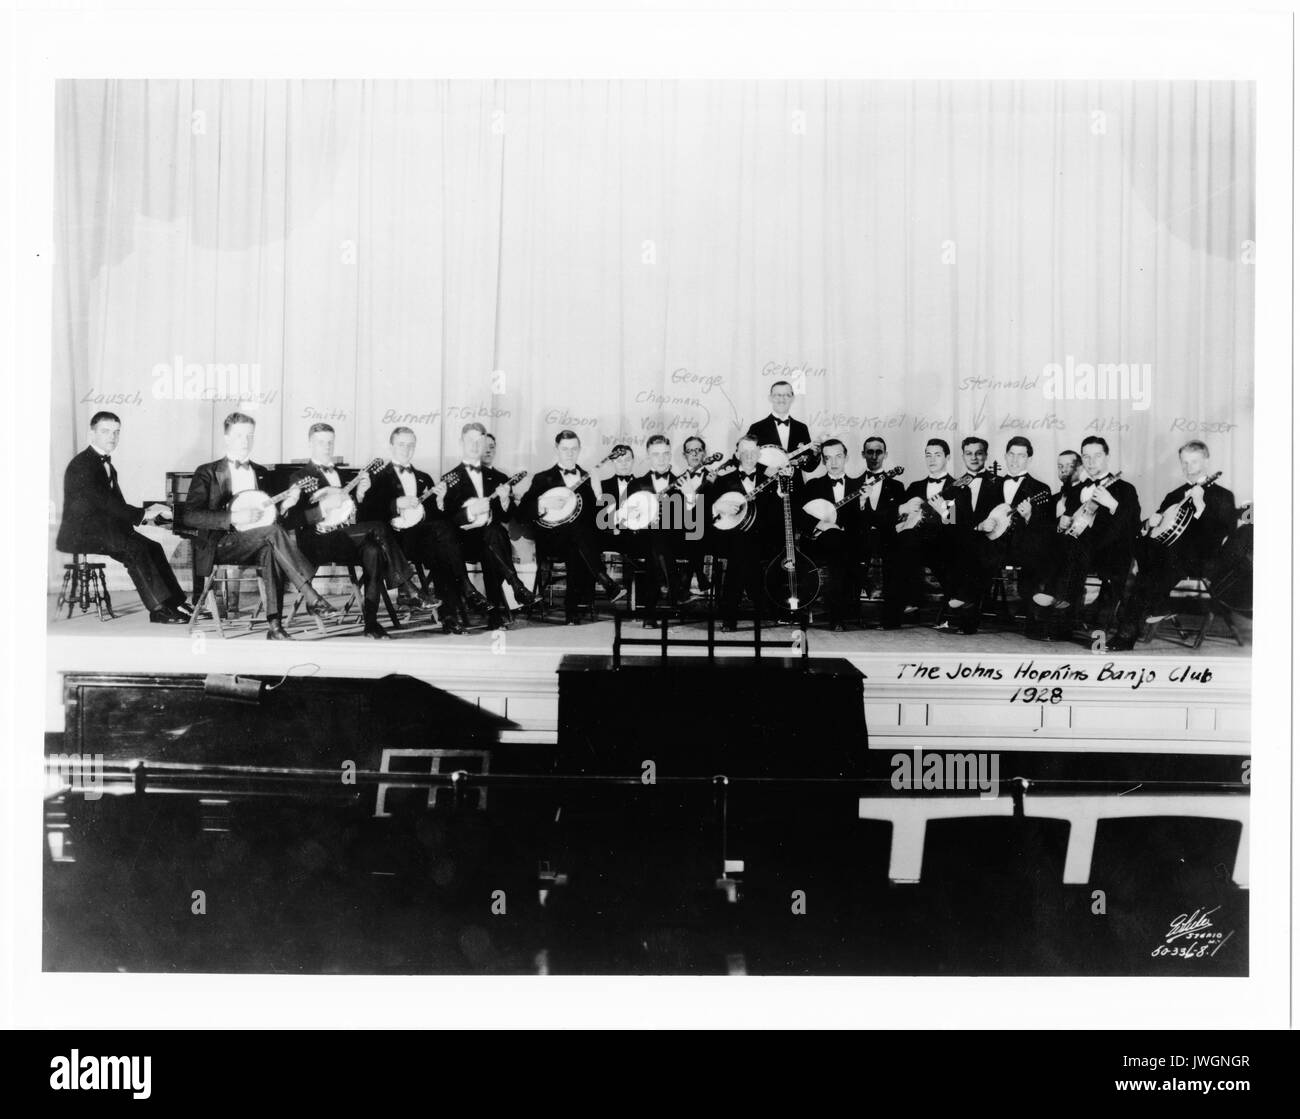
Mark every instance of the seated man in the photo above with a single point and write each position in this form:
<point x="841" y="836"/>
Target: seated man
<point x="927" y="529"/>
<point x="228" y="537"/>
<point x="98" y="520"/>
<point x="399" y="489"/>
<point x="478" y="493"/>
<point x="630" y="545"/>
<point x="836" y="543"/>
<point x="1212" y="513"/>
<point x="370" y="544"/>
<point x="878" y="502"/>
<point x="576" y="544"/>
<point x="1022" y="523"/>
<point x="696" y="546"/>
<point x="1104" y="547"/>
<point x="677" y="502"/>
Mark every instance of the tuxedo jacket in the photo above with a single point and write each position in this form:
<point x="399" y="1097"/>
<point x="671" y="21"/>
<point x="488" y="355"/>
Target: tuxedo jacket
<point x="549" y="479"/>
<point x="848" y="517"/>
<point x="306" y="515"/>
<point x="1205" y="535"/>
<point x="1109" y="530"/>
<point x="1040" y="529"/>
<point x="918" y="488"/>
<point x="95" y="514"/>
<point x="207" y="508"/>
<point x="765" y="432"/>
<point x="990" y="496"/>
<point x="380" y="503"/>
<point x="769" y="523"/>
<point x="460" y="491"/>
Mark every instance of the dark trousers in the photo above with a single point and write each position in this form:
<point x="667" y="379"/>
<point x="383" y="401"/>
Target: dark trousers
<point x="490" y="546"/>
<point x="979" y="559"/>
<point x="274" y="552"/>
<point x="1160" y="570"/>
<point x="663" y="547"/>
<point x="372" y="545"/>
<point x="746" y="557"/>
<point x="882" y="544"/>
<point x="631" y="548"/>
<point x="577" y="546"/>
<point x="1073" y="558"/>
<point x="838" y="552"/>
<point x="931" y="546"/>
<point x="436" y="542"/>
<point x="146" y="563"/>
<point x="694" y="551"/>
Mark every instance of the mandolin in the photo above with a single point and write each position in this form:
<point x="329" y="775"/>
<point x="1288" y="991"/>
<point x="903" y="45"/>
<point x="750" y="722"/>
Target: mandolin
<point x="265" y="505"/>
<point x="1084" y="517"/>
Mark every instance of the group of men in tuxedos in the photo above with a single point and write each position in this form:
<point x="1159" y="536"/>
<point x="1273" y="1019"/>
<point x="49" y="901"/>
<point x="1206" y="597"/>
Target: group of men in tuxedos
<point x="941" y="522"/>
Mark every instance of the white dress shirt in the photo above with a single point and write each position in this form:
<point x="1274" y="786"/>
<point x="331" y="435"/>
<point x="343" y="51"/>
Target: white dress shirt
<point x="241" y="477"/>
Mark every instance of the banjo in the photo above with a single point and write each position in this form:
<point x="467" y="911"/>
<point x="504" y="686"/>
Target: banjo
<point x="478" y="510"/>
<point x="1175" y="520"/>
<point x="337" y="501"/>
<point x="561" y="505"/>
<point x="915" y="511"/>
<point x="265" y="505"/>
<point x="641" y="509"/>
<point x="824" y="510"/>
<point x="409" y="518"/>
<point x="734" y="511"/>
<point x="1002" y="518"/>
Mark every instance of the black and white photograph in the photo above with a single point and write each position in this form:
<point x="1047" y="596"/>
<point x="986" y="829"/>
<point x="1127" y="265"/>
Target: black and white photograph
<point x="661" y="521"/>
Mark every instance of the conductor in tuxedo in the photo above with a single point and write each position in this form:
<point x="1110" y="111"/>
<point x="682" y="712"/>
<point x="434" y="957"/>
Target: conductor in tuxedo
<point x="836" y="543"/>
<point x="576" y="544"/>
<point x="1026" y="543"/>
<point x="780" y="429"/>
<point x="1194" y="555"/>
<point x="1105" y="547"/>
<point x="97" y="519"/>
<point x="473" y="489"/>
<point x="396" y="489"/>
<point x="878" y="505"/>
<point x="226" y="537"/>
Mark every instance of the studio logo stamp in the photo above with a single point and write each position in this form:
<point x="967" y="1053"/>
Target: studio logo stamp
<point x="1105" y="381"/>
<point x="1193" y="936"/>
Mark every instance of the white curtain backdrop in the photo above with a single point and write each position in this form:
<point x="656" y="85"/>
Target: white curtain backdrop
<point x="627" y="257"/>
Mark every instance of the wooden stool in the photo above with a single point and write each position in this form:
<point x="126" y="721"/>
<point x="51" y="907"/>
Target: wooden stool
<point x="84" y="585"/>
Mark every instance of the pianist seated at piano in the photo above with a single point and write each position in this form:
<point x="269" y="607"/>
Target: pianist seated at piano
<point x="253" y="536"/>
<point x="97" y="519"/>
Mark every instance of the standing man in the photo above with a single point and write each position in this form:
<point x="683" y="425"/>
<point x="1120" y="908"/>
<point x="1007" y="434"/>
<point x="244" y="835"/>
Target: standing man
<point x="780" y="429"/>
<point x="1162" y="567"/>
<point x="473" y="489"/>
<point x="226" y="537"/>
<point x="97" y="519"/>
<point x="576" y="544"/>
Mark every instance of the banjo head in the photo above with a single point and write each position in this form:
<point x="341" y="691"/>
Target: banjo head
<point x="639" y="510"/>
<point x="820" y="508"/>
<point x="729" y="510"/>
<point x="771" y="456"/>
<point x="558" y="505"/>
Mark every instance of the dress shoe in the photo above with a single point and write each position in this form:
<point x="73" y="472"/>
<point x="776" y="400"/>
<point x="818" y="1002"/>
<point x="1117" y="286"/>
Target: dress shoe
<point x="375" y="630"/>
<point x="168" y="617"/>
<point x="729" y="627"/>
<point x="837" y="627"/>
<point x="276" y="632"/>
<point x="496" y="620"/>
<point x="320" y="607"/>
<point x="1121" y="643"/>
<point x="572" y="620"/>
<point x="453" y="625"/>
<point x="475" y="600"/>
<point x="182" y="607"/>
<point x="616" y="593"/>
<point x="649" y="623"/>
<point x="523" y="595"/>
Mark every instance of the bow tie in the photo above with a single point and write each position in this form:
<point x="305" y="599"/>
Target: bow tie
<point x="661" y="474"/>
<point x="403" y="469"/>
<point x="937" y="481"/>
<point x="242" y="465"/>
<point x="106" y="459"/>
<point x="785" y="422"/>
<point x="1096" y="481"/>
<point x="566" y="473"/>
<point x="1012" y="477"/>
<point x="472" y="466"/>
<point x="875" y="473"/>
<point x="838" y="481"/>
<point x="747" y="477"/>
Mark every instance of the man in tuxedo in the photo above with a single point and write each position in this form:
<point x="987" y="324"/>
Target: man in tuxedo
<point x="836" y="542"/>
<point x="676" y="518"/>
<point x="1026" y="543"/>
<point x="613" y="536"/>
<point x="1193" y="555"/>
<point x="396" y="489"/>
<point x="98" y="520"/>
<point x="878" y="503"/>
<point x="1069" y="470"/>
<point x="225" y="537"/>
<point x="475" y="489"/>
<point x="695" y="546"/>
<point x="747" y="552"/>
<point x="576" y="544"/>
<point x="1105" y="548"/>
<point x="369" y="543"/>
<point x="780" y="429"/>
<point x="931" y="541"/>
